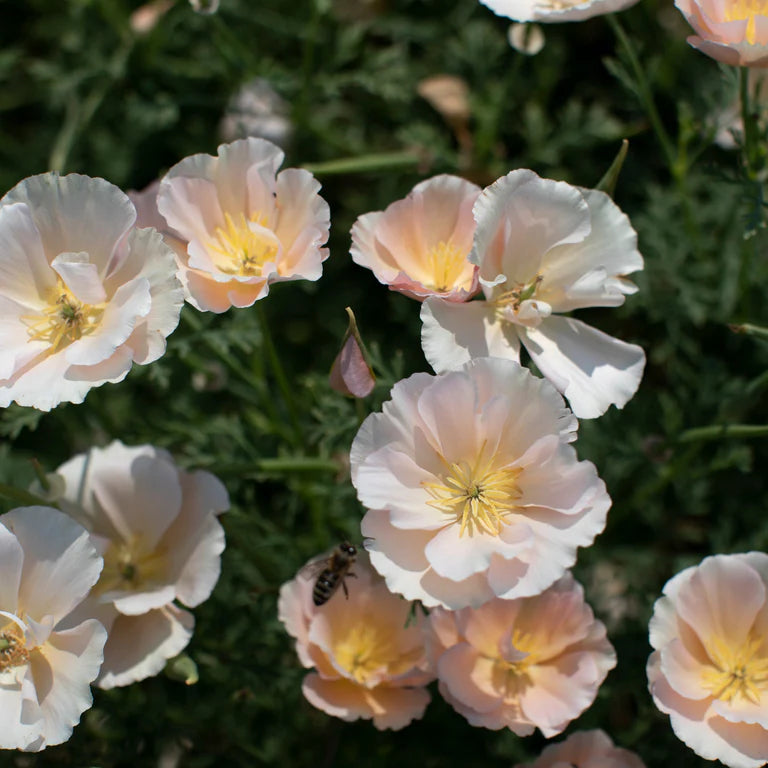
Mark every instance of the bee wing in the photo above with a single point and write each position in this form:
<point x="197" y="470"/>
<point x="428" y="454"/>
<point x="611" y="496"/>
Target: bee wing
<point x="314" y="568"/>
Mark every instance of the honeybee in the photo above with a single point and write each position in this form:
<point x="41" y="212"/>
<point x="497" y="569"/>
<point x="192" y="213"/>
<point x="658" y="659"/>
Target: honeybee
<point x="332" y="572"/>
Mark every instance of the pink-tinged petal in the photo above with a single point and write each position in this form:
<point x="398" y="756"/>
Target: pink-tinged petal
<point x="519" y="218"/>
<point x="471" y="592"/>
<point x="24" y="272"/>
<point x="453" y="334"/>
<point x="139" y="646"/>
<point x="17" y="349"/>
<point x="142" y="502"/>
<point x="469" y="678"/>
<point x="707" y="605"/>
<point x="745" y="746"/>
<point x="394" y="707"/>
<point x="593" y="370"/>
<point x="303" y="224"/>
<point x="663" y="627"/>
<point x="76" y="214"/>
<point x="683" y="671"/>
<point x="196" y="539"/>
<point x="11" y="561"/>
<point x="338" y="698"/>
<point x="253" y="190"/>
<point x="60" y="563"/>
<point x="190" y="206"/>
<point x="130" y="302"/>
<point x="350" y="374"/>
<point x="80" y="276"/>
<point x="21" y="725"/>
<point x="208" y="295"/>
<point x="145" y="202"/>
<point x="741" y="710"/>
<point x="485" y="628"/>
<point x="458" y="557"/>
<point x="294" y="611"/>
<point x="588" y="749"/>
<point x="147" y="598"/>
<point x="590" y="273"/>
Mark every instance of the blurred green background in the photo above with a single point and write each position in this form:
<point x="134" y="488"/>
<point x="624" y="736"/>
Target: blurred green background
<point x="82" y="90"/>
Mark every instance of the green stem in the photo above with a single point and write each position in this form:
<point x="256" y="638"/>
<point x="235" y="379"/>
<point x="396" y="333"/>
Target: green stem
<point x="717" y="431"/>
<point x="750" y="330"/>
<point x="750" y="128"/>
<point x="79" y="114"/>
<point x="25" y="497"/>
<point x="279" y="372"/>
<point x="367" y="163"/>
<point x="280" y="464"/>
<point x="644" y="91"/>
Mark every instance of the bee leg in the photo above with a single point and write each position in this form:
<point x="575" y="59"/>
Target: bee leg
<point x="344" y="587"/>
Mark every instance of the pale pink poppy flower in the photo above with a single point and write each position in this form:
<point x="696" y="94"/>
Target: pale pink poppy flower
<point x="471" y="487"/>
<point x="156" y="527"/>
<point x="586" y="749"/>
<point x="709" y="669"/>
<point x="246" y="225"/>
<point x="731" y="31"/>
<point x="369" y="658"/>
<point x="553" y="11"/>
<point x="420" y="245"/>
<point x="83" y="294"/>
<point x="534" y="662"/>
<point x="545" y="248"/>
<point x="47" y="566"/>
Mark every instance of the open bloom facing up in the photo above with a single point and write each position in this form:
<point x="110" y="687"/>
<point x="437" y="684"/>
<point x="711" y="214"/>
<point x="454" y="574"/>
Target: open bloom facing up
<point x="471" y="488"/>
<point x="368" y="663"/>
<point x="47" y="566"/>
<point x="157" y="529"/>
<point x="586" y="749"/>
<point x="83" y="294"/>
<point x="555" y="10"/>
<point x="732" y="31"/>
<point x="545" y="248"/>
<point x="709" y="671"/>
<point x="535" y="662"/>
<point x="420" y="245"/>
<point x="246" y="226"/>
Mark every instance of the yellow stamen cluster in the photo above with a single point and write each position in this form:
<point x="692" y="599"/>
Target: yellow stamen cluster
<point x="64" y="320"/>
<point x="746" y="10"/>
<point x="245" y="251"/>
<point x="446" y="262"/>
<point x="740" y="672"/>
<point x="477" y="497"/>
<point x="130" y="566"/>
<point x="513" y="677"/>
<point x="365" y="649"/>
<point x="13" y="651"/>
<point x="515" y="297"/>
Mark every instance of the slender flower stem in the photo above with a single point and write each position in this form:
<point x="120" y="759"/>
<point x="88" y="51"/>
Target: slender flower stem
<point x="717" y="431"/>
<point x="367" y="163"/>
<point x="750" y="330"/>
<point x="25" y="497"/>
<point x="644" y="90"/>
<point x="750" y="128"/>
<point x="281" y="378"/>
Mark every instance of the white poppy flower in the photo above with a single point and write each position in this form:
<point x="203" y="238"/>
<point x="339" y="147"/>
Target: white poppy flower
<point x="47" y="662"/>
<point x="552" y="11"/>
<point x="545" y="248"/>
<point x="83" y="295"/>
<point x="156" y="526"/>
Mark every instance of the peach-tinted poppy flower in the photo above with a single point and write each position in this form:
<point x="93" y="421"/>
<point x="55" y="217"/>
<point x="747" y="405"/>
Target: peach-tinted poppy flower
<point x="709" y="669"/>
<point x="534" y="662"/>
<point x="246" y="225"/>
<point x="419" y="245"/>
<point x="370" y="660"/>
<point x="83" y="294"/>
<point x="552" y="11"/>
<point x="157" y="529"/>
<point x="732" y="31"/>
<point x="472" y="489"/>
<point x="586" y="749"/>
<point x="47" y="566"/>
<point x="545" y="248"/>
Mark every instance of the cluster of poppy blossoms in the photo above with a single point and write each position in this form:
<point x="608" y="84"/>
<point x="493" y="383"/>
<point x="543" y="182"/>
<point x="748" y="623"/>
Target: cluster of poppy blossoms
<point x="87" y="591"/>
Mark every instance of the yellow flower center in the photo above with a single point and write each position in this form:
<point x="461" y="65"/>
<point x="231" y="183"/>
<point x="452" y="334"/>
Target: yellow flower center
<point x="477" y="497"/>
<point x="365" y="649"/>
<point x="445" y="264"/>
<point x="741" y="672"/>
<point x="64" y="320"/>
<point x="512" y="677"/>
<point x="746" y="10"/>
<point x="13" y="651"/>
<point x="130" y="566"/>
<point x="512" y="299"/>
<point x="245" y="250"/>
